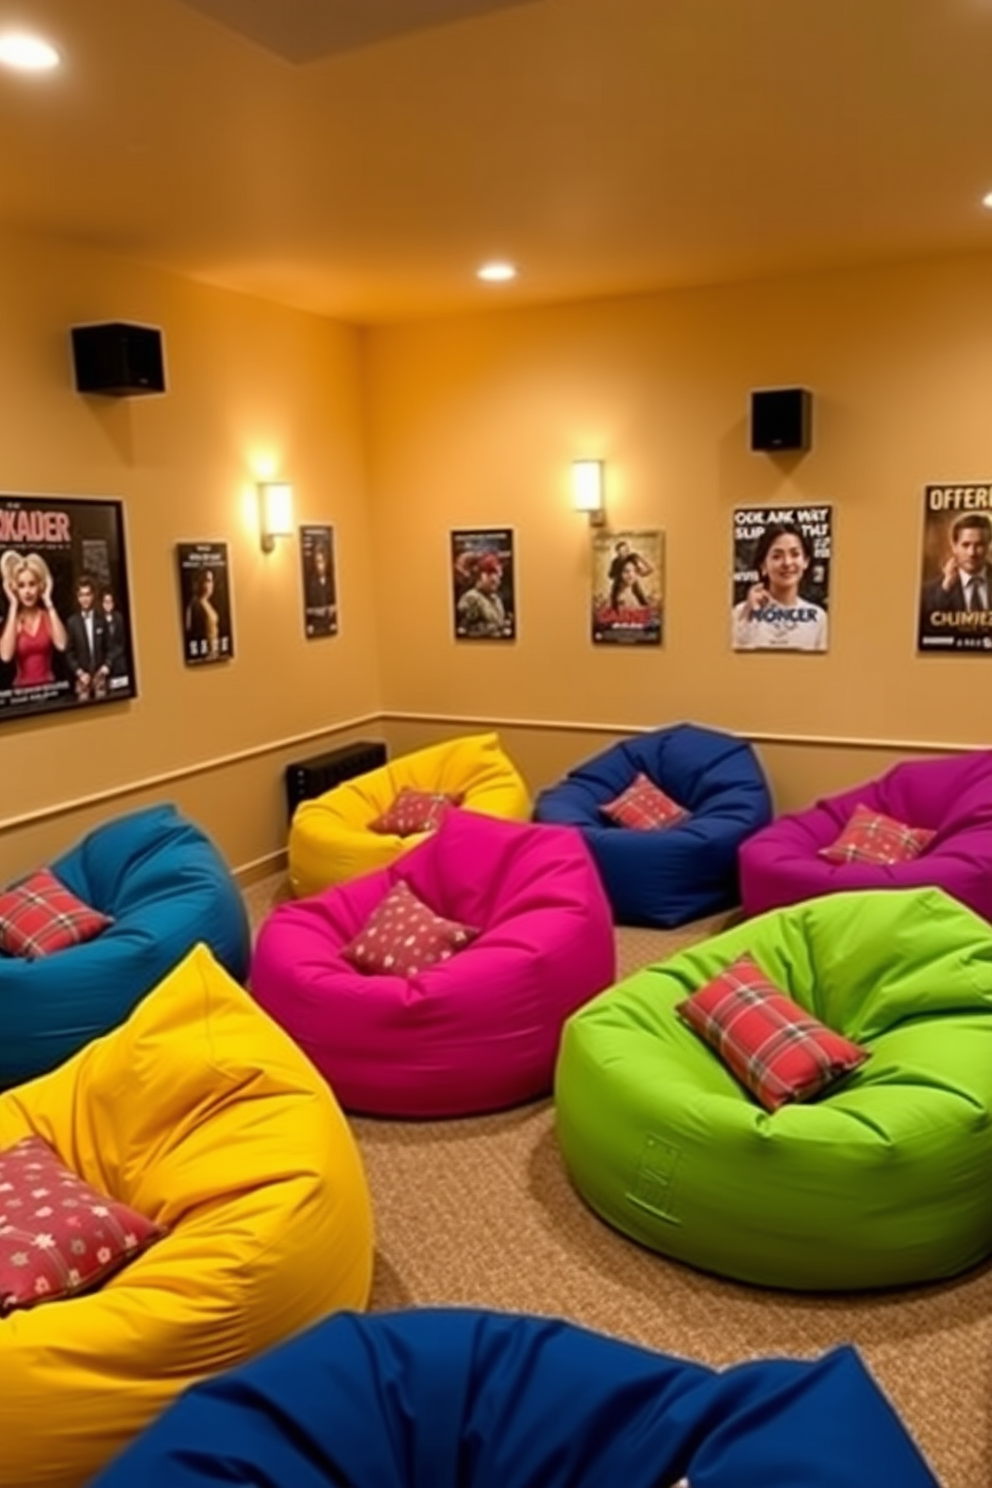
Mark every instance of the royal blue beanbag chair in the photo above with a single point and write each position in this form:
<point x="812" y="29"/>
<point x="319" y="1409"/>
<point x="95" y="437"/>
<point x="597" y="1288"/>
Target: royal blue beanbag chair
<point x="166" y="887"/>
<point x="471" y="1399"/>
<point x="674" y="874"/>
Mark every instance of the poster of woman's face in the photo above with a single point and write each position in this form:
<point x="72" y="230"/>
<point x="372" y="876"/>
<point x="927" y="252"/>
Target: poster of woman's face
<point x="320" y="606"/>
<point x="482" y="574"/>
<point x="781" y="587"/>
<point x="627" y="588"/>
<point x="205" y="602"/>
<point x="65" y="614"/>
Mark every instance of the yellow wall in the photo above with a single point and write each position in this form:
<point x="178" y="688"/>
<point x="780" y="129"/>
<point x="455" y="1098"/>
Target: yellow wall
<point x="474" y="422"/>
<point x="397" y="434"/>
<point x="246" y="380"/>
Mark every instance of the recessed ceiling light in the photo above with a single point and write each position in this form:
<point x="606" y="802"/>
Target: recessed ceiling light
<point x="497" y="273"/>
<point x="27" y="53"/>
<point x="987" y="199"/>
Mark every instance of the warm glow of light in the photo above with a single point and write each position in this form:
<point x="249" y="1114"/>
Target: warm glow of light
<point x="587" y="485"/>
<point x="27" y="53"/>
<point x="276" y="515"/>
<point x="987" y="199"/>
<point x="497" y="273"/>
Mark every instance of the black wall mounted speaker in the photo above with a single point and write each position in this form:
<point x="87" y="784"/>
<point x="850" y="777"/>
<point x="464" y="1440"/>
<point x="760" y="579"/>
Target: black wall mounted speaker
<point x="781" y="419"/>
<point x="118" y="360"/>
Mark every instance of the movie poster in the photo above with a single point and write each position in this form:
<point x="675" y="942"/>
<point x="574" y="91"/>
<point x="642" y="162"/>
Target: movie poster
<point x="955" y="609"/>
<point x="781" y="591"/>
<point x="482" y="573"/>
<point x="320" y="605"/>
<point x="65" y="611"/>
<point x="627" y="588"/>
<point x="205" y="601"/>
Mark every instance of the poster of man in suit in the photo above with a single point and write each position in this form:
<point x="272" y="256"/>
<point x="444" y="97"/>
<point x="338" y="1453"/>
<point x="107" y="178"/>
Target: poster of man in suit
<point x="65" y="630"/>
<point x="955" y="610"/>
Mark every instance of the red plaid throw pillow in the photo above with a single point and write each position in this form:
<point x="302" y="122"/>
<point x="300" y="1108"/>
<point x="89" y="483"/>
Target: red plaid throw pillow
<point x="644" y="806"/>
<point x="775" y="1048"/>
<point x="403" y="936"/>
<point x="414" y="811"/>
<point x="40" y="915"/>
<point x="58" y="1235"/>
<point x="872" y="837"/>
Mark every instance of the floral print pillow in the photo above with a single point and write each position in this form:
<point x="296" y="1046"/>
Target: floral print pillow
<point x="58" y="1235"/>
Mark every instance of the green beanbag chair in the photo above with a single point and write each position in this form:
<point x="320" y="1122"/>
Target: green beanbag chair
<point x="884" y="1179"/>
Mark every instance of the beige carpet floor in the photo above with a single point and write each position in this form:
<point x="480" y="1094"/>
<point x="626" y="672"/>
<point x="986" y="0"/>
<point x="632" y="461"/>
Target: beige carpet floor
<point x="480" y="1212"/>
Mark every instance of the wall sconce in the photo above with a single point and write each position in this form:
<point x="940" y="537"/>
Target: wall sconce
<point x="587" y="490"/>
<point x="275" y="512"/>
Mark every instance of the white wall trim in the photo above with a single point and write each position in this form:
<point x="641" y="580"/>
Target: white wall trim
<point x="449" y="720"/>
<point x="558" y="725"/>
<point x="184" y="772"/>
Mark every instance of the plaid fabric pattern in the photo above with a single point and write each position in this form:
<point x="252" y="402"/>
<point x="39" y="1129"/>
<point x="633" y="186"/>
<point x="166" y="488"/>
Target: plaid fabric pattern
<point x="59" y="1235"/>
<point x="644" y="806"/>
<point x="403" y="935"/>
<point x="777" y="1050"/>
<point x="872" y="837"/>
<point x="40" y="915"/>
<point x="414" y="811"/>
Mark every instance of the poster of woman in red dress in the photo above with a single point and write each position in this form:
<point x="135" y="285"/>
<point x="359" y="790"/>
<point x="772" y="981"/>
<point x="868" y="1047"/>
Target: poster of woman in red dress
<point x="65" y="633"/>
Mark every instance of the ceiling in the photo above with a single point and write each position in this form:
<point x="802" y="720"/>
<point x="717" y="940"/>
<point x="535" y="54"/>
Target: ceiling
<point x="360" y="158"/>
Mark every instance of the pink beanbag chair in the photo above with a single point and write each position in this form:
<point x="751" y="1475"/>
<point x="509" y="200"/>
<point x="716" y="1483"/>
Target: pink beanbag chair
<point x="478" y="1032"/>
<point x="950" y="796"/>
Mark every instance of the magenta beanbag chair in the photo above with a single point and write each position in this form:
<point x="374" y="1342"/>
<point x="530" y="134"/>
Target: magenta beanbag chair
<point x="474" y="1033"/>
<point x="950" y="796"/>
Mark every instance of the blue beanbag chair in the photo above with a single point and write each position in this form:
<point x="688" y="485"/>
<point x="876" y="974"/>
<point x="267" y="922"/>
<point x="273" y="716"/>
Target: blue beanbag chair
<point x="167" y="887"/>
<point x="675" y="874"/>
<point x="470" y="1399"/>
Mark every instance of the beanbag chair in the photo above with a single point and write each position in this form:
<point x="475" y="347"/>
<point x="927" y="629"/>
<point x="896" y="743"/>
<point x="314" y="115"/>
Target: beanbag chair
<point x="950" y="796"/>
<point x="881" y="1180"/>
<point x="463" y="1399"/>
<point x="677" y="873"/>
<point x="166" y="887"/>
<point x="201" y="1115"/>
<point x="475" y="1032"/>
<point x="331" y="839"/>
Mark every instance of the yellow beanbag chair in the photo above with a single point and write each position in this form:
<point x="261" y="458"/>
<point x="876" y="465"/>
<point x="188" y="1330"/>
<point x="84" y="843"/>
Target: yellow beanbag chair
<point x="330" y="840"/>
<point x="200" y="1113"/>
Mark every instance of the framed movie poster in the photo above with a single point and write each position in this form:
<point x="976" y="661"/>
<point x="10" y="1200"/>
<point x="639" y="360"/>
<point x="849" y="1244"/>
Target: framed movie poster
<point x="955" y="608"/>
<point x="482" y="575"/>
<point x="781" y="587"/>
<point x="65" y="610"/>
<point x="320" y="606"/>
<point x="627" y="588"/>
<point x="205" y="602"/>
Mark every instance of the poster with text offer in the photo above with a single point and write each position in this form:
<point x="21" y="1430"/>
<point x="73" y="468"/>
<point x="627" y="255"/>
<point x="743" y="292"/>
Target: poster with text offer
<point x="955" y="597"/>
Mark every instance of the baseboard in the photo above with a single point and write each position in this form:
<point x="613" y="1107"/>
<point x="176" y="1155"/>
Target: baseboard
<point x="259" y="868"/>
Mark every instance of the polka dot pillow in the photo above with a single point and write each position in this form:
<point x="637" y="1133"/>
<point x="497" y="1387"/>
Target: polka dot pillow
<point x="403" y="936"/>
<point x="414" y="811"/>
<point x="59" y="1235"/>
<point x="872" y="837"/>
<point x="644" y="806"/>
